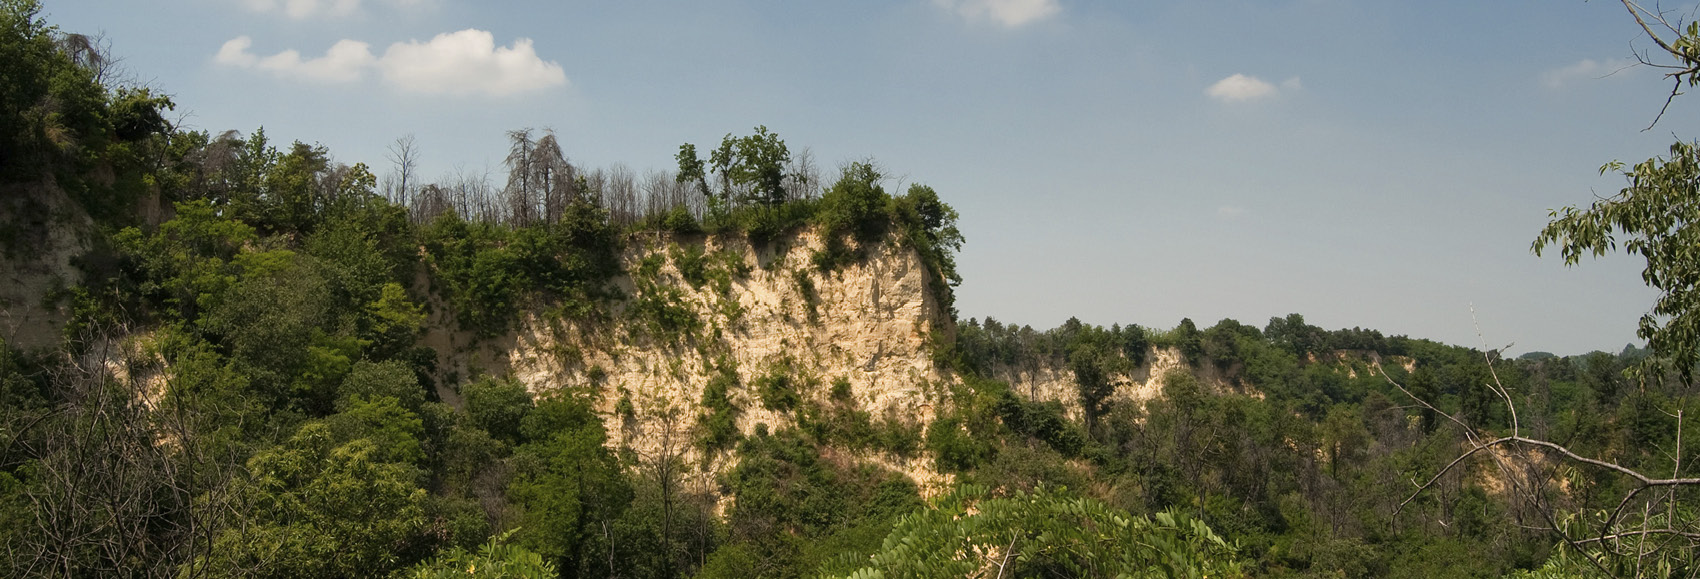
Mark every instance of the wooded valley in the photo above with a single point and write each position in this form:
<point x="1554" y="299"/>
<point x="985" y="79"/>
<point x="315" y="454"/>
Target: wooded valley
<point x="225" y="356"/>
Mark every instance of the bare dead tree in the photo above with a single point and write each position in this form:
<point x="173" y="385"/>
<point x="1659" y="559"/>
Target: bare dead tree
<point x="93" y="53"/>
<point x="521" y="205"/>
<point x="404" y="160"/>
<point x="552" y="175"/>
<point x="662" y="193"/>
<point x="620" y="195"/>
<point x="125" y="483"/>
<point x="431" y="201"/>
<point x="802" y="176"/>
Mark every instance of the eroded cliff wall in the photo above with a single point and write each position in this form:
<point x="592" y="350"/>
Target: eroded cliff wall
<point x="699" y="306"/>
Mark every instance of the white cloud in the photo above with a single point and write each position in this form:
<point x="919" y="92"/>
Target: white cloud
<point x="1241" y="88"/>
<point x="235" y="53"/>
<point x="1230" y="211"/>
<point x="457" y="63"/>
<point x="466" y="62"/>
<point x="304" y="9"/>
<point x="1585" y="69"/>
<point x="346" y="61"/>
<point x="1009" y="13"/>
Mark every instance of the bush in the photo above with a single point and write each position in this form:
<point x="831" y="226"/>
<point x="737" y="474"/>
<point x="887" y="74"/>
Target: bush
<point x="498" y="406"/>
<point x="719" y="426"/>
<point x="855" y="205"/>
<point x="679" y="220"/>
<point x="495" y="560"/>
<point x="375" y="379"/>
<point x="778" y="389"/>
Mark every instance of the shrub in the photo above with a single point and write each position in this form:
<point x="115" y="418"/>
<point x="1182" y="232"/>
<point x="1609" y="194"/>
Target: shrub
<point x="719" y="426"/>
<point x="497" y="406"/>
<point x="778" y="389"/>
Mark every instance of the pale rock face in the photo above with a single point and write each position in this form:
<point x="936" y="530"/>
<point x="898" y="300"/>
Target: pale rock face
<point x="871" y="326"/>
<point x="48" y="236"/>
<point x="1145" y="383"/>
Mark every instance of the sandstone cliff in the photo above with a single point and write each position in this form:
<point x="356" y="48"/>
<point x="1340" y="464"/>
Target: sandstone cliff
<point x="755" y="310"/>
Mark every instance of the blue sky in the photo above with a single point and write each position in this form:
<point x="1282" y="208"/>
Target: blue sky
<point x="1365" y="163"/>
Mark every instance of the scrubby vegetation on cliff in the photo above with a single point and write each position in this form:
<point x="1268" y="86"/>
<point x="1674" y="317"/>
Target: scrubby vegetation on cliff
<point x="249" y="384"/>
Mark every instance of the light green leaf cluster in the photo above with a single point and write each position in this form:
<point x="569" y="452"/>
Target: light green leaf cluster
<point x="1657" y="217"/>
<point x="495" y="560"/>
<point x="315" y="509"/>
<point x="1043" y="533"/>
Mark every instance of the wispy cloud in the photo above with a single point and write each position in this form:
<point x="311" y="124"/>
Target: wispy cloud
<point x="1584" y="69"/>
<point x="346" y="61"/>
<point x="1242" y="88"/>
<point x="454" y="63"/>
<point x="1008" y="13"/>
<point x="304" y="9"/>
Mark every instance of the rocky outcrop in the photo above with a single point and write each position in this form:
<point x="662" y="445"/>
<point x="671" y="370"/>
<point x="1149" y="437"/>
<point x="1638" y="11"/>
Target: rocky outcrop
<point x="756" y="310"/>
<point x="41" y="232"/>
<point x="1055" y="382"/>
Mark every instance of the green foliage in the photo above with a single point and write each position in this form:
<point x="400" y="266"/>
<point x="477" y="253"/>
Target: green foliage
<point x="1044" y="534"/>
<point x="489" y="271"/>
<point x="692" y="266"/>
<point x="1095" y="354"/>
<point x="372" y="380"/>
<point x="495" y="560"/>
<point x="1656" y="213"/>
<point x="1041" y="420"/>
<point x="30" y="63"/>
<point x="394" y="430"/>
<point x="1190" y="341"/>
<point x="843" y="424"/>
<point x="749" y="169"/>
<point x="679" y="220"/>
<point x="792" y="510"/>
<point x="497" y="406"/>
<point x="57" y="118"/>
<point x="568" y="484"/>
<point x="662" y="307"/>
<point x="187" y="264"/>
<point x="315" y="509"/>
<point x="811" y="298"/>
<point x="459" y="451"/>
<point x="282" y="328"/>
<point x="854" y="206"/>
<point x="659" y="309"/>
<point x="718" y="426"/>
<point x="778" y="388"/>
<point x="963" y="438"/>
<point x="929" y="226"/>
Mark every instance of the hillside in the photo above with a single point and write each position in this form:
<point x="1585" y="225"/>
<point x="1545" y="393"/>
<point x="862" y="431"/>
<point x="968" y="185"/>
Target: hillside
<point x="229" y="357"/>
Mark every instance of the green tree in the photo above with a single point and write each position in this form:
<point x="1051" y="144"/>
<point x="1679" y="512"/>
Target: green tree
<point x="1047" y="533"/>
<point x="569" y="485"/>
<point x="749" y="169"/>
<point x="495" y="560"/>
<point x="498" y="406"/>
<point x="312" y="508"/>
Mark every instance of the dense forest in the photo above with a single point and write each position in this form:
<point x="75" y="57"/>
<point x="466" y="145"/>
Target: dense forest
<point x="238" y="385"/>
